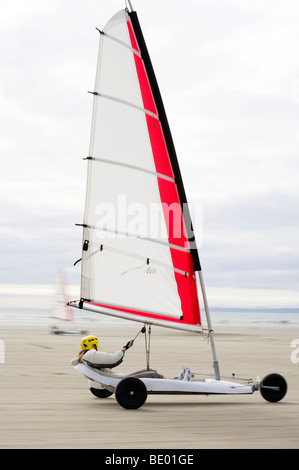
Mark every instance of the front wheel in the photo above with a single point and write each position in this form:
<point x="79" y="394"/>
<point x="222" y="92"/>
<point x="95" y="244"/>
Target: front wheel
<point x="273" y="387"/>
<point x="131" y="393"/>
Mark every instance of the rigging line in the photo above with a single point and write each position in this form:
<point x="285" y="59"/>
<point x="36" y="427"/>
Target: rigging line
<point x="224" y="376"/>
<point x="127" y="103"/>
<point x="134" y="269"/>
<point x="133" y="167"/>
<point x="147" y="260"/>
<point x="141" y="331"/>
<point x="119" y="42"/>
<point x="139" y="237"/>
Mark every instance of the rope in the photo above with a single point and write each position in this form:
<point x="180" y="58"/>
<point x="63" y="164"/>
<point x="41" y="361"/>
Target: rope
<point x="147" y="338"/>
<point x="141" y="331"/>
<point x="147" y="347"/>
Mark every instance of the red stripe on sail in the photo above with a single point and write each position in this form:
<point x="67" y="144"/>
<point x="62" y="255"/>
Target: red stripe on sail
<point x="144" y="314"/>
<point x="186" y="285"/>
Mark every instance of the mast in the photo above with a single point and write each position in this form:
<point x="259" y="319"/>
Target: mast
<point x="211" y="331"/>
<point x="129" y="4"/>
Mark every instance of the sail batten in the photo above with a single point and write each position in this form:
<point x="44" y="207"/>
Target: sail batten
<point x="137" y="236"/>
<point x="133" y="167"/>
<point x="126" y="103"/>
<point x="119" y="42"/>
<point x="138" y="254"/>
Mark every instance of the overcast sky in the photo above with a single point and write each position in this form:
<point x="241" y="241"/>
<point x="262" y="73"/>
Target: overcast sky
<point x="228" y="71"/>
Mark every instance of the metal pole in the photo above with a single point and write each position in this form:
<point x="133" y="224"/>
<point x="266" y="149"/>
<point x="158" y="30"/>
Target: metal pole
<point x="211" y="332"/>
<point x="130" y="5"/>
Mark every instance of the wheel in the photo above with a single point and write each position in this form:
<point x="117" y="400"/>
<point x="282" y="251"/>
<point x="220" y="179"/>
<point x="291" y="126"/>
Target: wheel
<point x="100" y="393"/>
<point x="270" y="394"/>
<point x="131" y="393"/>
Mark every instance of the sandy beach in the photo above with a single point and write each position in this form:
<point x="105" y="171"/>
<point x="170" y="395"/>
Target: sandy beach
<point x="45" y="402"/>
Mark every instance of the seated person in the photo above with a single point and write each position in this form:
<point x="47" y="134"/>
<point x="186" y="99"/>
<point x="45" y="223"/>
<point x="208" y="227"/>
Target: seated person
<point x="94" y="358"/>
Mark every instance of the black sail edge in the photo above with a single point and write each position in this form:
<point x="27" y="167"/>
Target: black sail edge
<point x="168" y="137"/>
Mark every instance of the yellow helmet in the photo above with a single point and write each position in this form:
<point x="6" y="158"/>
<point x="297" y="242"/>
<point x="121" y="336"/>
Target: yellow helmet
<point x="88" y="342"/>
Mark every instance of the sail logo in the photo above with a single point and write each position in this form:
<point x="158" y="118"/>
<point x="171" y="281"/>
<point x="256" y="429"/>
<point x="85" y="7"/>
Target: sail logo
<point x="2" y="352"/>
<point x="153" y="220"/>
<point x="295" y="353"/>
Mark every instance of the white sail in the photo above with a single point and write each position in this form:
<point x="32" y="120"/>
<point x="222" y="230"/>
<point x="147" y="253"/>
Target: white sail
<point x="61" y="311"/>
<point x="137" y="256"/>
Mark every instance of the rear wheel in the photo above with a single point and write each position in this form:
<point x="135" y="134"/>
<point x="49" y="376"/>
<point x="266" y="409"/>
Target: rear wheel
<point x="100" y="393"/>
<point x="277" y="387"/>
<point x="131" y="393"/>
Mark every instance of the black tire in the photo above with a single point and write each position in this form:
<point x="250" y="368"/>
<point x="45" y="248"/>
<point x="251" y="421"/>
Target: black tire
<point x="273" y="380"/>
<point x="101" y="393"/>
<point x="131" y="393"/>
